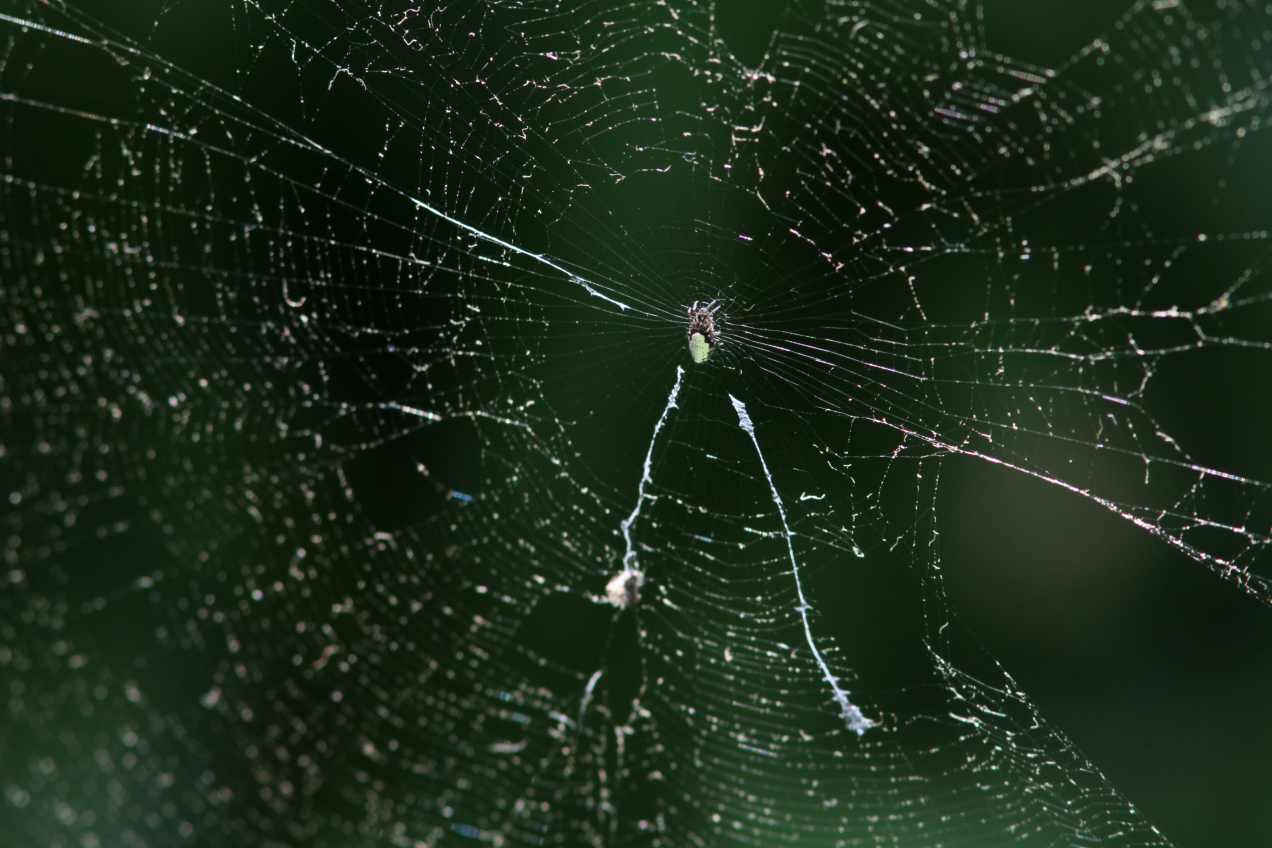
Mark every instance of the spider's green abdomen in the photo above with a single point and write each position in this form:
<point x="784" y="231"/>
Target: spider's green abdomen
<point x="699" y="348"/>
<point x="702" y="330"/>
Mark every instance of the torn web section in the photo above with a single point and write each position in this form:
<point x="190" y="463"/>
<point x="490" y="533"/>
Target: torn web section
<point x="857" y="722"/>
<point x="717" y="625"/>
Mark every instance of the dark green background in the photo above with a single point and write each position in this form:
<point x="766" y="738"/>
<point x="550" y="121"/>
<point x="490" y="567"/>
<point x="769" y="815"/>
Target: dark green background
<point x="1155" y="669"/>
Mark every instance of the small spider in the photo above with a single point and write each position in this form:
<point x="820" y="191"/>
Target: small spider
<point x="703" y="335"/>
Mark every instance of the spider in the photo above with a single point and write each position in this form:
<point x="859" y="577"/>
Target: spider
<point x="703" y="336"/>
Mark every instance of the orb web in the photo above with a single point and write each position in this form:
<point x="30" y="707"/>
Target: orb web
<point x="342" y="373"/>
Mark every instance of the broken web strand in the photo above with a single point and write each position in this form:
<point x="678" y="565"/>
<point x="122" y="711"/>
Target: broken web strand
<point x="622" y="587"/>
<point x="646" y="477"/>
<point x="851" y="713"/>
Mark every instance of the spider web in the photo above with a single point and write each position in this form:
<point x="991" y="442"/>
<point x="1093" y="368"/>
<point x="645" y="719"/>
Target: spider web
<point x="344" y="366"/>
